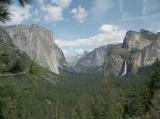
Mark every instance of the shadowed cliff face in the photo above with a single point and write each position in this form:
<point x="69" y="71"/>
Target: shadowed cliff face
<point x="152" y="51"/>
<point x="92" y="61"/>
<point x="138" y="49"/>
<point x="37" y="43"/>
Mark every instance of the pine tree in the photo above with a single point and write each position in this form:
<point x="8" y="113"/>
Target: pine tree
<point x="155" y="91"/>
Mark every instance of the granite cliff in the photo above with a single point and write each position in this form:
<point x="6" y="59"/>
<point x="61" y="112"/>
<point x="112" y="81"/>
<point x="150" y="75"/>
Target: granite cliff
<point x="37" y="43"/>
<point x="137" y="49"/>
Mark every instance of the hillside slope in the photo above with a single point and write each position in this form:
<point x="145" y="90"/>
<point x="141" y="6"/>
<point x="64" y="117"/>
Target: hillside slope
<point x="38" y="93"/>
<point x="33" y="82"/>
<point x="28" y="91"/>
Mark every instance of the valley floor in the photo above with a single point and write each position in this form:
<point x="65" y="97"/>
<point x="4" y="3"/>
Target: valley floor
<point x="41" y="94"/>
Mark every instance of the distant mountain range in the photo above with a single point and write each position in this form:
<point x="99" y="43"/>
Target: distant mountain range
<point x="73" y="58"/>
<point x="138" y="49"/>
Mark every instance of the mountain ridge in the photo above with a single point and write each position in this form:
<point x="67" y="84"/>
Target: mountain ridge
<point x="137" y="49"/>
<point x="38" y="43"/>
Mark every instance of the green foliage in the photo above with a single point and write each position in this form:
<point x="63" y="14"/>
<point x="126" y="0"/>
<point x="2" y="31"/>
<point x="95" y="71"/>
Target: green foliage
<point x="155" y="80"/>
<point x="137" y="99"/>
<point x="155" y="110"/>
<point x="41" y="94"/>
<point x="11" y="61"/>
<point x="113" y="99"/>
<point x="155" y="91"/>
<point x="10" y="103"/>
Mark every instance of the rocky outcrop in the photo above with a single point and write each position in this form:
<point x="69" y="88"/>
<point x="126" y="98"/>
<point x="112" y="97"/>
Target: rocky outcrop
<point x="138" y="49"/>
<point x="138" y="40"/>
<point x="37" y="43"/>
<point x="107" y="55"/>
<point x="151" y="52"/>
<point x="92" y="61"/>
<point x="116" y="60"/>
<point x="73" y="58"/>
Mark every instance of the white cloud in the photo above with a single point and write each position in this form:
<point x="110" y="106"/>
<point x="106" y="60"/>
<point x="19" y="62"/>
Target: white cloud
<point x="158" y="30"/>
<point x="72" y="51"/>
<point x="79" y="14"/>
<point x="54" y="11"/>
<point x="109" y="29"/>
<point x="19" y="14"/>
<point x="108" y="34"/>
<point x="51" y="11"/>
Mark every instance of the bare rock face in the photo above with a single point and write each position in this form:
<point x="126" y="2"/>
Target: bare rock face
<point x="138" y="49"/>
<point x="112" y="56"/>
<point x="116" y="60"/>
<point x="137" y="40"/>
<point x="72" y="59"/>
<point x="91" y="62"/>
<point x="37" y="43"/>
<point x="151" y="52"/>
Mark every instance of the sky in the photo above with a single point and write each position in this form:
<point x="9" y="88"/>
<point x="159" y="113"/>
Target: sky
<point x="80" y="25"/>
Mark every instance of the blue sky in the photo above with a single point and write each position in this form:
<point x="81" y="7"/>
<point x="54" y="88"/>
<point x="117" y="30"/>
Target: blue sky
<point x="80" y="25"/>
